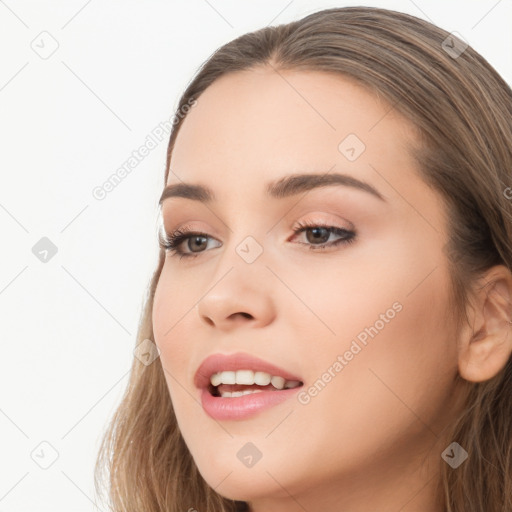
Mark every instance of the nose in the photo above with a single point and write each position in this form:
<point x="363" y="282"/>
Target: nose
<point x="241" y="295"/>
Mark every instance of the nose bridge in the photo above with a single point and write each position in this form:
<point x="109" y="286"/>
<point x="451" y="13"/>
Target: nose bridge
<point x="245" y="244"/>
<point x="242" y="263"/>
<point x="240" y="285"/>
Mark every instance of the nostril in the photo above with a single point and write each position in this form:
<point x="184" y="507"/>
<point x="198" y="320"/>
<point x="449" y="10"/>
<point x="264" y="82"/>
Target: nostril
<point x="242" y="313"/>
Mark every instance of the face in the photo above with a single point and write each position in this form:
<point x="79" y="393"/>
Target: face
<point x="354" y="305"/>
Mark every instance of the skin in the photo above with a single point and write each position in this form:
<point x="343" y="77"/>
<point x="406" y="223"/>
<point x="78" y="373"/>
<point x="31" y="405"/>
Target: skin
<point x="371" y="439"/>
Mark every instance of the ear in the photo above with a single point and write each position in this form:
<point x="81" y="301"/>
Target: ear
<point x="485" y="348"/>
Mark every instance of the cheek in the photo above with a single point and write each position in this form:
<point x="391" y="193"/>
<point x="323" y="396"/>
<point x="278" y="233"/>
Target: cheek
<point x="173" y="306"/>
<point x="397" y="367"/>
<point x="170" y="316"/>
<point x="390" y="398"/>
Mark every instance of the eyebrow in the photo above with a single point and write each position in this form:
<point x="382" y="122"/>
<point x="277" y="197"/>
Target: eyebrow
<point x="285" y="187"/>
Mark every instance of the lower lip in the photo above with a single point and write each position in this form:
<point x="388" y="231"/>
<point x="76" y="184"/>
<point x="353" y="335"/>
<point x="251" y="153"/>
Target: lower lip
<point x="245" y="406"/>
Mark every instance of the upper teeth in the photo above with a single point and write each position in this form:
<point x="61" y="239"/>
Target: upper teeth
<point x="249" y="377"/>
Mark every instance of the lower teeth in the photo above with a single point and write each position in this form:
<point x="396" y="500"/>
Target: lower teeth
<point x="228" y="394"/>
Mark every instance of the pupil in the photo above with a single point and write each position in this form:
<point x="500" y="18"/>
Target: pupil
<point x="318" y="234"/>
<point x="197" y="242"/>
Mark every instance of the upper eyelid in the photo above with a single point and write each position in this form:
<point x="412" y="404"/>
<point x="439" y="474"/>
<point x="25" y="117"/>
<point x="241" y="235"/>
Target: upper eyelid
<point x="312" y="222"/>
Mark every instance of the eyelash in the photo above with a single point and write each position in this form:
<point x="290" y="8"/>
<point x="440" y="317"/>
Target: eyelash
<point x="171" y="241"/>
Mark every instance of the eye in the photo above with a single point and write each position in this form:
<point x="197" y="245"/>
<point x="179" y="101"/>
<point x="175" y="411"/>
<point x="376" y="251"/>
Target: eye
<point x="172" y="242"/>
<point x="322" y="232"/>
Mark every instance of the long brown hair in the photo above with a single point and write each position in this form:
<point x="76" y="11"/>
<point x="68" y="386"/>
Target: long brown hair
<point x="463" y="111"/>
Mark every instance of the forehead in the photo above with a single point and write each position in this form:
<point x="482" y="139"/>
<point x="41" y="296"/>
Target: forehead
<point x="250" y="127"/>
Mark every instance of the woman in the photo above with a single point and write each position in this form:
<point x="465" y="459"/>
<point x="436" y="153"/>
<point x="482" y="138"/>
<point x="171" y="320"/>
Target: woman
<point x="332" y="302"/>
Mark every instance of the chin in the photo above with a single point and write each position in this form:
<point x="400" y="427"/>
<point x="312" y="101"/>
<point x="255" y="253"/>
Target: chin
<point x="230" y="478"/>
<point x="242" y="484"/>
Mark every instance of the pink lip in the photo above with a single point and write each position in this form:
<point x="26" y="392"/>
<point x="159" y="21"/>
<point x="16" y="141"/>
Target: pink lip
<point x="242" y="407"/>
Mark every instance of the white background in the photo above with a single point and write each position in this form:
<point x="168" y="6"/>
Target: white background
<point x="67" y="123"/>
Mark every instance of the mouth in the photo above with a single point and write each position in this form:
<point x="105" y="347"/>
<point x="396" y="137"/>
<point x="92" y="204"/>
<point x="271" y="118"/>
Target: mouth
<point x="232" y="384"/>
<point x="241" y="372"/>
<point x="238" y="386"/>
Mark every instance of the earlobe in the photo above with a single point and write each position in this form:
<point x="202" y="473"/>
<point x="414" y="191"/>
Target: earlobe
<point x="485" y="350"/>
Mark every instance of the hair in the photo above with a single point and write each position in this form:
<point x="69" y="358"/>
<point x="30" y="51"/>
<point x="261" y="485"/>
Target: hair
<point x="462" y="110"/>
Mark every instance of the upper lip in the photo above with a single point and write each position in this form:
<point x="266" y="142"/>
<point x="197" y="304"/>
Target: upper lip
<point x="232" y="362"/>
